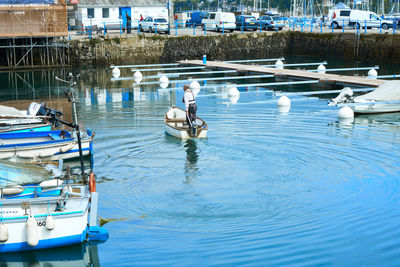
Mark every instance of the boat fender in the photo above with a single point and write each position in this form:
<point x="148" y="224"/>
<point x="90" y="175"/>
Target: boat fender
<point x="49" y="222"/>
<point x="32" y="232"/>
<point x="92" y="182"/>
<point x="3" y="233"/>
<point x="51" y="183"/>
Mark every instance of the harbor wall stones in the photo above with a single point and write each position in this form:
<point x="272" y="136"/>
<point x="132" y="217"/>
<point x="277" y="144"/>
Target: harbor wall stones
<point x="373" y="48"/>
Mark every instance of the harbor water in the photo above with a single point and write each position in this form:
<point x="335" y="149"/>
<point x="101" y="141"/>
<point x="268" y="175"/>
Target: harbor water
<point x="265" y="188"/>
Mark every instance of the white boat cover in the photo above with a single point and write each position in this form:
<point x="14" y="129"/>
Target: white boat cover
<point x="10" y="111"/>
<point x="389" y="91"/>
<point x="19" y="174"/>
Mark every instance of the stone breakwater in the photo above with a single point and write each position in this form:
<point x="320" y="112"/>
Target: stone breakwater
<point x="372" y="48"/>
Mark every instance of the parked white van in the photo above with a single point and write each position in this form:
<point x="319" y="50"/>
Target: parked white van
<point x="338" y="17"/>
<point x="219" y="21"/>
<point x="360" y="18"/>
<point x="356" y="18"/>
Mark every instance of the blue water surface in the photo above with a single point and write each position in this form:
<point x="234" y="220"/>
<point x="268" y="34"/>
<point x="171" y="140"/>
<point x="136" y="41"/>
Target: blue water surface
<point x="265" y="188"/>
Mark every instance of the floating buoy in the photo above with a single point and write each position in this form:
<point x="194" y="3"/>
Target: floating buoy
<point x="321" y="69"/>
<point x="32" y="231"/>
<point x="164" y="81"/>
<point x="283" y="101"/>
<point x="116" y="72"/>
<point x="195" y="87"/>
<point x="233" y="99"/>
<point x="50" y="222"/>
<point x="372" y="73"/>
<point x="284" y="109"/>
<point x="137" y="76"/>
<point x="3" y="232"/>
<point x="346" y="113"/>
<point x="232" y="90"/>
<point x="279" y="64"/>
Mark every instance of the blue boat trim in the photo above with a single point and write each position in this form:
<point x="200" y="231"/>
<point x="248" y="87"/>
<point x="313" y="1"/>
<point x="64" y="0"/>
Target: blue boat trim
<point x="44" y="244"/>
<point x="38" y="143"/>
<point x="32" y="129"/>
<point x="33" y="134"/>
<point x="71" y="151"/>
<point x="44" y="215"/>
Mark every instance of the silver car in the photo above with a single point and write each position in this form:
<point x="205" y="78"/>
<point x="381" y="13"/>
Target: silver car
<point x="151" y="24"/>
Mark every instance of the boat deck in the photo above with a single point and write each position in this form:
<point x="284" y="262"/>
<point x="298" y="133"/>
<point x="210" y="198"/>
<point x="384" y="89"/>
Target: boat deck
<point x="298" y="74"/>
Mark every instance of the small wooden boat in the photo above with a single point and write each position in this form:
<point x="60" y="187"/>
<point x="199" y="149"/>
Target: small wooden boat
<point x="176" y="125"/>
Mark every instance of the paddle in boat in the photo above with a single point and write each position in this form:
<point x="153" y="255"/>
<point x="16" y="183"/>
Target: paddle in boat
<point x="177" y="126"/>
<point x="384" y="99"/>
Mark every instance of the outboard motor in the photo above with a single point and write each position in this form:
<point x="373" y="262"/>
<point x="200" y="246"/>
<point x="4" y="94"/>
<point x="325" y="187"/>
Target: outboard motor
<point x="345" y="96"/>
<point x="36" y="109"/>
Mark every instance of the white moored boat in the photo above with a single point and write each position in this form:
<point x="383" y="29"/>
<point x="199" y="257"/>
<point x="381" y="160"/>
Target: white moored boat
<point x="386" y="98"/>
<point x="46" y="213"/>
<point x="175" y="125"/>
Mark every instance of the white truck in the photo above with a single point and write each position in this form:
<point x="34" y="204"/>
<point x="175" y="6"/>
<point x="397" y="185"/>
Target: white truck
<point x="338" y="18"/>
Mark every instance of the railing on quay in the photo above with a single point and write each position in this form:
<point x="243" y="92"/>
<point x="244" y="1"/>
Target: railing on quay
<point x="180" y="27"/>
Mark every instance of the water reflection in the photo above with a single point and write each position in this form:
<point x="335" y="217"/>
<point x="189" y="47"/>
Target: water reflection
<point x="191" y="168"/>
<point x="80" y="255"/>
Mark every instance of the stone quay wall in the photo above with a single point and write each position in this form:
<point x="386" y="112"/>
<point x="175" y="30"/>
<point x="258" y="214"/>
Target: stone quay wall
<point x="374" y="48"/>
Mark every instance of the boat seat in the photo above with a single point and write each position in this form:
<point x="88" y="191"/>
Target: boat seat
<point x="55" y="137"/>
<point x="176" y="120"/>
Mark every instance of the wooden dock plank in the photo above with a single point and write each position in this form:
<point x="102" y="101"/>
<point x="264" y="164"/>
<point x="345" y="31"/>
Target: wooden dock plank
<point x="300" y="74"/>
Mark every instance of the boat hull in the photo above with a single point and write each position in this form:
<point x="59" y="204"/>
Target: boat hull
<point x="70" y="223"/>
<point x="375" y="108"/>
<point x="41" y="146"/>
<point x="175" y="125"/>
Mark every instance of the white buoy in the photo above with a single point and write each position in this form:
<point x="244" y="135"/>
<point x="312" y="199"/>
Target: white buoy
<point x="346" y="113"/>
<point x="284" y="109"/>
<point x="279" y="64"/>
<point x="164" y="81"/>
<point x="116" y="72"/>
<point x="3" y="232"/>
<point x="233" y="98"/>
<point x="32" y="232"/>
<point x="283" y="101"/>
<point x="137" y="76"/>
<point x="372" y="73"/>
<point x="232" y="90"/>
<point x="50" y="222"/>
<point x="321" y="69"/>
<point x="195" y="87"/>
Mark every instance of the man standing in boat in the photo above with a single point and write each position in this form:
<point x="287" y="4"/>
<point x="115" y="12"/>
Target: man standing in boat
<point x="190" y="104"/>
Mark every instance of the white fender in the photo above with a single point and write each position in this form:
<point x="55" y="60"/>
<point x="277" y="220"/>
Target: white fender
<point x="13" y="190"/>
<point x="51" y="183"/>
<point x="3" y="233"/>
<point x="32" y="231"/>
<point x="49" y="222"/>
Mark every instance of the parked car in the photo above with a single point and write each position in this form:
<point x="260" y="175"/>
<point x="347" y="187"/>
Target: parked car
<point x="271" y="23"/>
<point x="151" y="24"/>
<point x="195" y="19"/>
<point x="219" y="21"/>
<point x="246" y="22"/>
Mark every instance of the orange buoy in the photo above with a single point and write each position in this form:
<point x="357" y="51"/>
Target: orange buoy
<point x="92" y="183"/>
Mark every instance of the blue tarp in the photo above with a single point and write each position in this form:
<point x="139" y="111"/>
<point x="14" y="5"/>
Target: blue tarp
<point x="341" y="5"/>
<point x="26" y="2"/>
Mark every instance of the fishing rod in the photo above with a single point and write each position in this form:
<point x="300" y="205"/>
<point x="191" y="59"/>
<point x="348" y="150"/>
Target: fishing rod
<point x="71" y="98"/>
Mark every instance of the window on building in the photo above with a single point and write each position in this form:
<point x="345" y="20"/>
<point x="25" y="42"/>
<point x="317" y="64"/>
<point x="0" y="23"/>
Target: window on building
<point x="106" y="13"/>
<point x="90" y="13"/>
